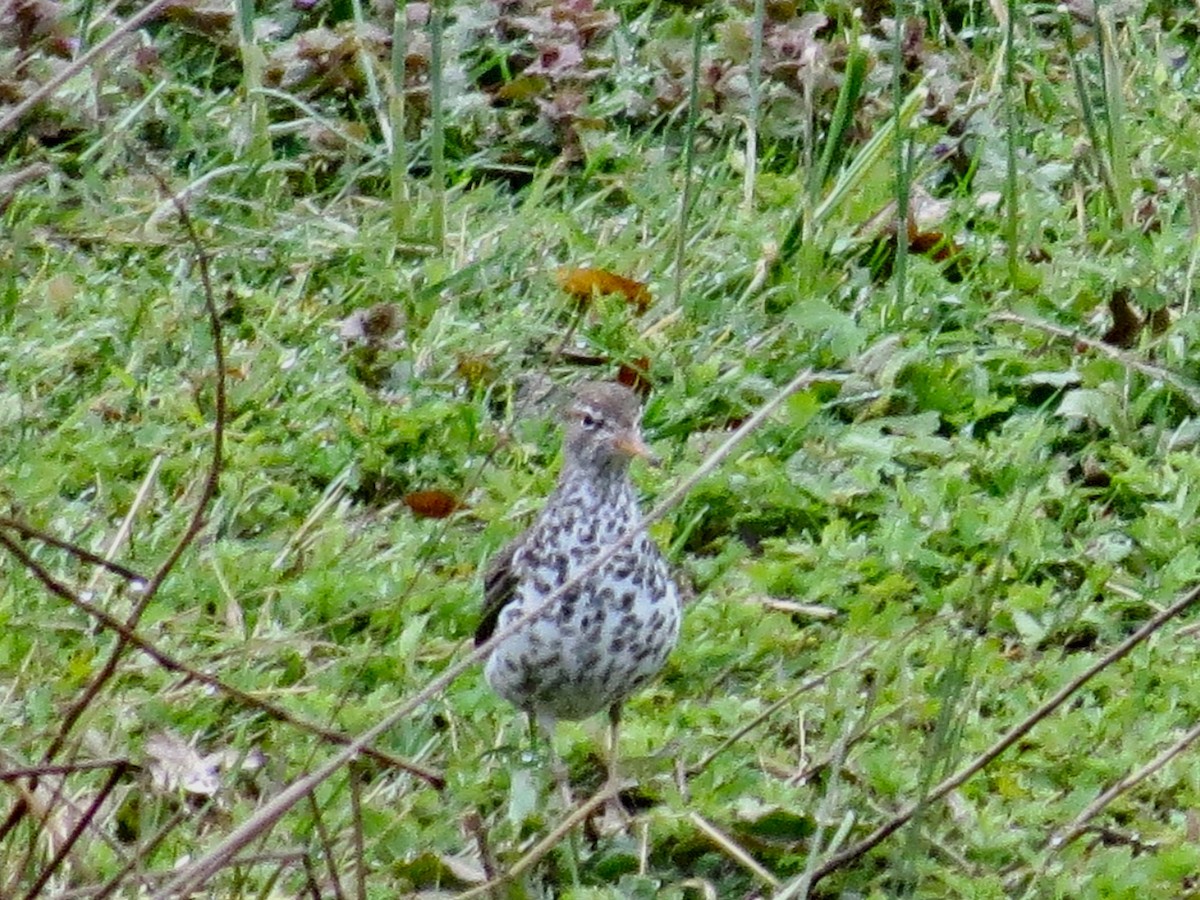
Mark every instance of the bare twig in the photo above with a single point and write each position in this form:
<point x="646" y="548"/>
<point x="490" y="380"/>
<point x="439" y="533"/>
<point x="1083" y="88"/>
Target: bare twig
<point x="102" y="49"/>
<point x="474" y="825"/>
<point x="14" y="181"/>
<point x="111" y="782"/>
<point x="360" y="851"/>
<point x="143" y="853"/>
<point x="209" y="489"/>
<point x="779" y="704"/>
<point x="171" y="664"/>
<point x="126" y="526"/>
<point x="733" y="850"/>
<point x="1188" y="388"/>
<point x="1080" y="824"/>
<point x="28" y="531"/>
<point x="327" y="846"/>
<point x="63" y="768"/>
<point x="542" y="847"/>
<point x="1011" y="737"/>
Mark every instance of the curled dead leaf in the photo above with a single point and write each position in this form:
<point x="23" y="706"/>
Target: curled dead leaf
<point x="431" y="504"/>
<point x="476" y="370"/>
<point x="583" y="284"/>
<point x="1127" y="324"/>
<point x="635" y="375"/>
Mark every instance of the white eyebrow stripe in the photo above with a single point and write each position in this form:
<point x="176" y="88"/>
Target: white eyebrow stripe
<point x="588" y="409"/>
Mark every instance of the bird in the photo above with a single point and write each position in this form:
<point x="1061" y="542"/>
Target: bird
<point x="611" y="631"/>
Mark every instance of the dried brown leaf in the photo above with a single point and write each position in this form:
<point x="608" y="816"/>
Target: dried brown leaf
<point x="431" y="504"/>
<point x="635" y="375"/>
<point x="583" y="284"/>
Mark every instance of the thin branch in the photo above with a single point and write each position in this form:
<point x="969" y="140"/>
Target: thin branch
<point x="28" y="531"/>
<point x="733" y="850"/>
<point x="779" y="704"/>
<point x="1080" y="824"/>
<point x="1011" y="737"/>
<point x="327" y="846"/>
<point x="78" y="829"/>
<point x="126" y="526"/>
<point x="1188" y="388"/>
<point x="102" y="49"/>
<point x="541" y="848"/>
<point x="64" y="768"/>
<point x="171" y="664"/>
<point x="143" y="853"/>
<point x="360" y="850"/>
<point x="88" y="696"/>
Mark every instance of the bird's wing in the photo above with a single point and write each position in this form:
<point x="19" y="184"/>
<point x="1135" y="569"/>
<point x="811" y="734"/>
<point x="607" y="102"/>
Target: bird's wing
<point x="499" y="585"/>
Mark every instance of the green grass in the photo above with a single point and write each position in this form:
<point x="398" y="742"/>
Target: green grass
<point x="960" y="513"/>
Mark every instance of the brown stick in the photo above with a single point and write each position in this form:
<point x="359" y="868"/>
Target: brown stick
<point x="1015" y="734"/>
<point x="106" y="46"/>
<point x="172" y="664"/>
<point x="1189" y="389"/>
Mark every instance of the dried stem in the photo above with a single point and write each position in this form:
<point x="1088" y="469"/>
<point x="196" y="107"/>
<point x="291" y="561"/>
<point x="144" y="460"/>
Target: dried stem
<point x="1011" y="737"/>
<point x="1189" y="389"/>
<point x="171" y="664"/>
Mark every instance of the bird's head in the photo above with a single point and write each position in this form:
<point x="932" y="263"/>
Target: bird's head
<point x="604" y="427"/>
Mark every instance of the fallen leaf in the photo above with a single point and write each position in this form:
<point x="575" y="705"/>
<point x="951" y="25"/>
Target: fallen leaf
<point x="475" y="369"/>
<point x="1126" y="325"/>
<point x="926" y="215"/>
<point x="583" y="284"/>
<point x="431" y="504"/>
<point x="635" y="375"/>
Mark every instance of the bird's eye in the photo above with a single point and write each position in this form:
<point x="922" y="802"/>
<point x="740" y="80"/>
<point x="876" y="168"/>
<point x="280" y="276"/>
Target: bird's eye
<point x="590" y="421"/>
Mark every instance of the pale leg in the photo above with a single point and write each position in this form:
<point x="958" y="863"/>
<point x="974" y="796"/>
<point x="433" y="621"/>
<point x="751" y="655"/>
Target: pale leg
<point x="558" y="768"/>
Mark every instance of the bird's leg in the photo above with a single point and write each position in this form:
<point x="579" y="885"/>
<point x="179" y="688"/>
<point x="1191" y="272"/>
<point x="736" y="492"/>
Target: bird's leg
<point x="614" y="779"/>
<point x="562" y="778"/>
<point x="558" y="768"/>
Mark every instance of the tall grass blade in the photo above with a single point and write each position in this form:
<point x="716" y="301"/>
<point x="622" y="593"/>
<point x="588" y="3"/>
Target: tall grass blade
<point x="689" y="143"/>
<point x="750" y="172"/>
<point x="1099" y="147"/>
<point x="366" y="62"/>
<point x="254" y="61"/>
<point x="437" y="214"/>
<point x="852" y="176"/>
<point x="1114" y="111"/>
<point x="834" y="149"/>
<point x="1012" y="211"/>
<point x="902" y="157"/>
<point x="398" y="156"/>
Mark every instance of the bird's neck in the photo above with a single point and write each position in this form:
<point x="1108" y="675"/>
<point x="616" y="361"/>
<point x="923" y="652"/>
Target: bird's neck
<point x="604" y="485"/>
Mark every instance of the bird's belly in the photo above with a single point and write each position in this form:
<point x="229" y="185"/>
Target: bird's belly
<point x="584" y="654"/>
